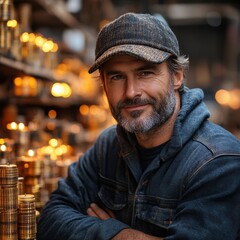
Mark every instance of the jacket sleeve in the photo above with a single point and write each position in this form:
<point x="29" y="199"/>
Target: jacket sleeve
<point x="210" y="204"/>
<point x="64" y="216"/>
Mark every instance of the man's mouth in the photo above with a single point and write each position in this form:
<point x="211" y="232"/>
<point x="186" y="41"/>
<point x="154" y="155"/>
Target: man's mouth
<point x="135" y="107"/>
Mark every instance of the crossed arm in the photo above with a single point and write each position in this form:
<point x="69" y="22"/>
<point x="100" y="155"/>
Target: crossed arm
<point x="126" y="234"/>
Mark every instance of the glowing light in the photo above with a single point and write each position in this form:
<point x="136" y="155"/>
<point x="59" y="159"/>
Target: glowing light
<point x="30" y="81"/>
<point x="55" y="48"/>
<point x="94" y="110"/>
<point x="59" y="151"/>
<point x="84" y="110"/>
<point x="18" y="81"/>
<point x="52" y="114"/>
<point x="3" y="148"/>
<point x="67" y="91"/>
<point x="39" y="41"/>
<point x="30" y="153"/>
<point x="234" y="102"/>
<point x="75" y="128"/>
<point x="12" y="23"/>
<point x="57" y="90"/>
<point x="53" y="142"/>
<point x="26" y="165"/>
<point x="48" y="150"/>
<point x="24" y="37"/>
<point x="51" y="126"/>
<point x="229" y="98"/>
<point x="12" y="126"/>
<point x="21" y="126"/>
<point x="47" y="46"/>
<point x="61" y="90"/>
<point x="222" y="97"/>
<point x="32" y="37"/>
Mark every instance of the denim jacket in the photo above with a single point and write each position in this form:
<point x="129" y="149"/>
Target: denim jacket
<point x="190" y="191"/>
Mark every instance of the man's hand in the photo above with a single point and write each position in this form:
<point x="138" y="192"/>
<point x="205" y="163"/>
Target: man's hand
<point x="131" y="234"/>
<point x="95" y="211"/>
<point x="126" y="234"/>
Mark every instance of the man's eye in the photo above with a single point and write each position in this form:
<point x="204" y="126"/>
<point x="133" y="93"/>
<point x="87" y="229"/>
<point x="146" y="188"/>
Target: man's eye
<point x="145" y="73"/>
<point x="117" y="77"/>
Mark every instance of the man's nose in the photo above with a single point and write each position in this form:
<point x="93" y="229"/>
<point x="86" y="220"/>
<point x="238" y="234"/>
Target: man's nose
<point x="132" y="88"/>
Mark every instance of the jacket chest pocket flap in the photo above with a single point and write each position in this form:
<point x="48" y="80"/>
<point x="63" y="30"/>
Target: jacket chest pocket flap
<point x="113" y="197"/>
<point x="159" y="213"/>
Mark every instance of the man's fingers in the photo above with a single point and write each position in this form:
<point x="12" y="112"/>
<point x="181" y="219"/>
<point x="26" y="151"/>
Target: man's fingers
<point x="96" y="211"/>
<point x="91" y="213"/>
<point x="110" y="213"/>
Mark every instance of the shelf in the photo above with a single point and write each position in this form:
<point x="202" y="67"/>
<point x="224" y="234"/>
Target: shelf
<point x="45" y="101"/>
<point x="11" y="68"/>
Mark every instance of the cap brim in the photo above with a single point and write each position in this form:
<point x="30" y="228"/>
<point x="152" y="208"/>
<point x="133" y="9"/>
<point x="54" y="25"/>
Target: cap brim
<point x="142" y="52"/>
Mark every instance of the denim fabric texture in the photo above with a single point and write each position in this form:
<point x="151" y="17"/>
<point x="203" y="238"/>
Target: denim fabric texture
<point x="191" y="191"/>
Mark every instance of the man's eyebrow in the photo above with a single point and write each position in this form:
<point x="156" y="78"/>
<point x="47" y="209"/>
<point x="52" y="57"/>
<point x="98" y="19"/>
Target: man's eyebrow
<point x="112" y="72"/>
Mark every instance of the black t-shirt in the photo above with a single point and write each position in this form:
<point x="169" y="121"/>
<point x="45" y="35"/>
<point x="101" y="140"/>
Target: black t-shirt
<point x="146" y="155"/>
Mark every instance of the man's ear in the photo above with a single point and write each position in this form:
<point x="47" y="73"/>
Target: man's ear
<point x="178" y="79"/>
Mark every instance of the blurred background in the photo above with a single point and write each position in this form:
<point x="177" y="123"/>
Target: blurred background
<point x="52" y="110"/>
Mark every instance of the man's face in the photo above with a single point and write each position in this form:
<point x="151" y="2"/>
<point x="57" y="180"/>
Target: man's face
<point x="140" y="94"/>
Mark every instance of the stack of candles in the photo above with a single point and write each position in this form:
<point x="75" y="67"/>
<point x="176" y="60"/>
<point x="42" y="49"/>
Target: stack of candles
<point x="17" y="212"/>
<point x="26" y="217"/>
<point x="30" y="168"/>
<point x="8" y="202"/>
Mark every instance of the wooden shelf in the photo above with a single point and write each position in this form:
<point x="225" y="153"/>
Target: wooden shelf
<point x="10" y="68"/>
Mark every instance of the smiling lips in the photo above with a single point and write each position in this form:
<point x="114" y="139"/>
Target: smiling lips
<point x="135" y="107"/>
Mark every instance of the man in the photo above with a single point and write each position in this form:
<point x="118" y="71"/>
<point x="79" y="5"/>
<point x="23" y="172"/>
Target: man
<point x="165" y="171"/>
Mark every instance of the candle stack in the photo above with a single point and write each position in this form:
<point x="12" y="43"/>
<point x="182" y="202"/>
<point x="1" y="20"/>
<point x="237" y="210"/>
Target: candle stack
<point x="30" y="169"/>
<point x="8" y="202"/>
<point x="26" y="217"/>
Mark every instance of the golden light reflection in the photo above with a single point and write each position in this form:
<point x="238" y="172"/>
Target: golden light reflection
<point x="12" y="126"/>
<point x="222" y="97"/>
<point x="51" y="126"/>
<point x="47" y="46"/>
<point x="24" y="37"/>
<point x="31" y="37"/>
<point x="12" y="23"/>
<point x="39" y="41"/>
<point x="94" y="110"/>
<point x="25" y="86"/>
<point x="3" y="148"/>
<point x="84" y="110"/>
<point x="55" y="48"/>
<point x="21" y="126"/>
<point x="229" y="98"/>
<point x="52" y="114"/>
<point x="61" y="90"/>
<point x="31" y="153"/>
<point x="53" y="142"/>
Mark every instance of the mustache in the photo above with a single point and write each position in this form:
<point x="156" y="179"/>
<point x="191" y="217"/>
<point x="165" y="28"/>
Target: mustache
<point x="135" y="101"/>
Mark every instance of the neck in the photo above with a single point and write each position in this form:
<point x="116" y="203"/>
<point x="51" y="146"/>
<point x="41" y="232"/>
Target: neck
<point x="163" y="133"/>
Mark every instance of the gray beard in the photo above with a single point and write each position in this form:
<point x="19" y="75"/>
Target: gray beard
<point x="162" y="110"/>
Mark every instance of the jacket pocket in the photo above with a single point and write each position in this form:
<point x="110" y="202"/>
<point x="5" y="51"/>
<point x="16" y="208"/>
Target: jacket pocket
<point x="113" y="194"/>
<point x="157" y="212"/>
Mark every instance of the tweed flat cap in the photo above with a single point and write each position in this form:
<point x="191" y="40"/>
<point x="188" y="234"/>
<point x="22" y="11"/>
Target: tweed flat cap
<point x="140" y="35"/>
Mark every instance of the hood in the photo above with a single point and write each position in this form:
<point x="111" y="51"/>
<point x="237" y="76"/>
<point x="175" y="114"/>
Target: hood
<point x="192" y="114"/>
